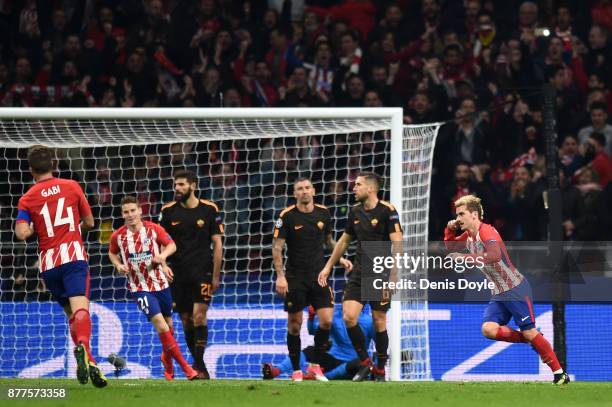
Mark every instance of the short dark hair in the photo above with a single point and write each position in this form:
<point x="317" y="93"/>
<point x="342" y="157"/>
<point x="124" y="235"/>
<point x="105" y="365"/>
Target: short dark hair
<point x="188" y="175"/>
<point x="599" y="138"/>
<point x="130" y="199"/>
<point x="599" y="106"/>
<point x="372" y="177"/>
<point x="40" y="159"/>
<point x="551" y="70"/>
<point x="301" y="179"/>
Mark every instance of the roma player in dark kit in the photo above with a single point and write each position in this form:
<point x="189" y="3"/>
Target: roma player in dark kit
<point x="306" y="228"/>
<point x="195" y="226"/>
<point x="371" y="220"/>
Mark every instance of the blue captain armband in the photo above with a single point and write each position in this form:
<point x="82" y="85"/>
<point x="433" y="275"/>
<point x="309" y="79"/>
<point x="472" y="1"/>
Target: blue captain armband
<point x="24" y="216"/>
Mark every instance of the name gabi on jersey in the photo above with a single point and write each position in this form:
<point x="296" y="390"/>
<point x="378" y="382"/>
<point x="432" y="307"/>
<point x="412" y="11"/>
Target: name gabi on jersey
<point x="54" y="190"/>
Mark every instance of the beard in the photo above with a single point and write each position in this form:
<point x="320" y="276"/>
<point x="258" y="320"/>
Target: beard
<point x="183" y="198"/>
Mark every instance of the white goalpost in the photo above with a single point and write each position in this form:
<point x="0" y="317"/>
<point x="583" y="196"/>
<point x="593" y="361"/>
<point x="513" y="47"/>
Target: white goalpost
<point x="246" y="160"/>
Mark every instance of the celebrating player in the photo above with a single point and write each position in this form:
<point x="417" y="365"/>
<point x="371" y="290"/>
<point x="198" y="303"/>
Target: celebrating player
<point x="512" y="293"/>
<point x="340" y="362"/>
<point x="306" y="228"/>
<point x="370" y="220"/>
<point x="136" y="250"/>
<point x="56" y="211"/>
<point x="194" y="224"/>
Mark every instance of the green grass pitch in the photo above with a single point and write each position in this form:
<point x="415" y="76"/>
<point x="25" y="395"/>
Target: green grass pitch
<point x="253" y="393"/>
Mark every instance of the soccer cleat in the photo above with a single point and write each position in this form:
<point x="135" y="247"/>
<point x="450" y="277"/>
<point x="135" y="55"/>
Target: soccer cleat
<point x="365" y="367"/>
<point x="315" y="370"/>
<point x="561" y="378"/>
<point x="266" y="371"/>
<point x="297" y="376"/>
<point x="378" y="375"/>
<point x="82" y="360"/>
<point x="191" y="373"/>
<point x="166" y="360"/>
<point x="97" y="377"/>
<point x="203" y="374"/>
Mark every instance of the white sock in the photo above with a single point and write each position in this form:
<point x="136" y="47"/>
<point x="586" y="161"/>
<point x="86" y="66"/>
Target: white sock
<point x="558" y="371"/>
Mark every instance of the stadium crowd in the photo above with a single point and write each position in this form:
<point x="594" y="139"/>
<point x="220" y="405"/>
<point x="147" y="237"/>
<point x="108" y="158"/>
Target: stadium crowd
<point x="477" y="64"/>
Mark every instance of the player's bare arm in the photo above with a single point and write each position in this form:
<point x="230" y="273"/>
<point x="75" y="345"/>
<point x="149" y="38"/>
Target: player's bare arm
<point x="87" y="223"/>
<point x="118" y="264"/>
<point x="282" y="287"/>
<point x="397" y="250"/>
<point x="217" y="260"/>
<point x="339" y="250"/>
<point x="165" y="253"/>
<point x="330" y="243"/>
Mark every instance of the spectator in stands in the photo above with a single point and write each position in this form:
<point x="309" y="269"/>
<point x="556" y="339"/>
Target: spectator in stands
<point x="596" y="158"/>
<point x="570" y="158"/>
<point x="599" y="124"/>
<point x="522" y="203"/>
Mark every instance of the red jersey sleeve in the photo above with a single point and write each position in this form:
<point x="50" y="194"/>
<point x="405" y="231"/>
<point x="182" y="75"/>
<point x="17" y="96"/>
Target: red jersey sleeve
<point x="84" y="208"/>
<point x="452" y="242"/>
<point x="163" y="237"/>
<point x="23" y="212"/>
<point x="492" y="241"/>
<point x="113" y="245"/>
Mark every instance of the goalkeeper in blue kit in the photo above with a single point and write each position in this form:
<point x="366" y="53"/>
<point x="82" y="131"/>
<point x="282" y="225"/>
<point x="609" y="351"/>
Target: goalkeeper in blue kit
<point x="341" y="362"/>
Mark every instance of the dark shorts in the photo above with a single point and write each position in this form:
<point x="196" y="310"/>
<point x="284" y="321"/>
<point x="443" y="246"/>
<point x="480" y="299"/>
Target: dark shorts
<point x="186" y="294"/>
<point x="68" y="280"/>
<point x="352" y="292"/>
<point x="303" y="293"/>
<point x="516" y="304"/>
<point x="326" y="361"/>
<point x="152" y="303"/>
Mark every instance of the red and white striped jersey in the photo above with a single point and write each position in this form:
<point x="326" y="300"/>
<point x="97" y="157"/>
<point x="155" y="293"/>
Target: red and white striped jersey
<point x="137" y="250"/>
<point x="489" y="245"/>
<point x="55" y="206"/>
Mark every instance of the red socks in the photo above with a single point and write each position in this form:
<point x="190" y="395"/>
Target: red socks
<point x="507" y="334"/>
<point x="546" y="352"/>
<point x="80" y="330"/>
<point x="171" y="347"/>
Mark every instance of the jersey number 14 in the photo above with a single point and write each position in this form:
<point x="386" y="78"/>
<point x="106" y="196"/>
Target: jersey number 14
<point x="59" y="218"/>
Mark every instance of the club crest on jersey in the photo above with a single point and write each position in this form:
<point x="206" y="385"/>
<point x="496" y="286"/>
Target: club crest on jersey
<point x="374" y="222"/>
<point x="55" y="189"/>
<point x="200" y="223"/>
<point x="279" y="223"/>
<point x="320" y="225"/>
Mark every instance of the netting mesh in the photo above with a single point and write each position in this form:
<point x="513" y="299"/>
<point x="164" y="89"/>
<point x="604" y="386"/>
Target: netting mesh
<point x="247" y="167"/>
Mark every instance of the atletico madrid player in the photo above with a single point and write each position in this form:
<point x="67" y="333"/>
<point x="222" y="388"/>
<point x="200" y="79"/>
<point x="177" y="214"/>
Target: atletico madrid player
<point x="56" y="211"/>
<point x="512" y="293"/>
<point x="139" y="250"/>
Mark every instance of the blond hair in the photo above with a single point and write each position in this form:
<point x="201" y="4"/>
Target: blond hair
<point x="472" y="203"/>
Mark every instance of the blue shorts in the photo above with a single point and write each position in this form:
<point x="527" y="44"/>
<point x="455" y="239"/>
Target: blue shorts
<point x="68" y="280"/>
<point x="152" y="303"/>
<point x="516" y="303"/>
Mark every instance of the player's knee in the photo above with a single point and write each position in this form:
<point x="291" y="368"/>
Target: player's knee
<point x="293" y="328"/>
<point x="530" y="334"/>
<point x="489" y="330"/>
<point x="349" y="320"/>
<point x="187" y="320"/>
<point x="325" y="323"/>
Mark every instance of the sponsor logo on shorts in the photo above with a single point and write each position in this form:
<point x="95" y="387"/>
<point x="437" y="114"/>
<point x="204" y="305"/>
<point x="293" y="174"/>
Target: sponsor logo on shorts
<point x="298" y="227"/>
<point x="174" y="223"/>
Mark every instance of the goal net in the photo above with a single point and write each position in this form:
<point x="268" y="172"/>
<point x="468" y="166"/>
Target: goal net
<point x="246" y="161"/>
